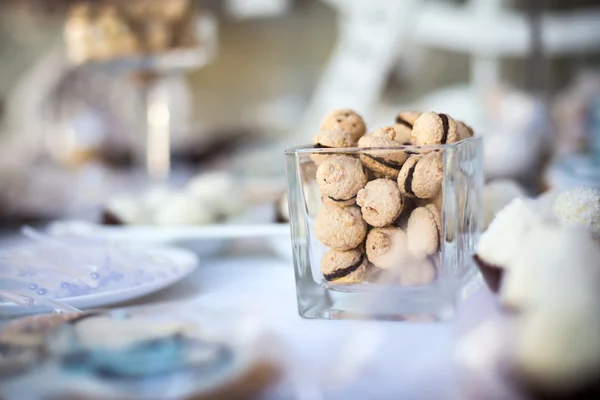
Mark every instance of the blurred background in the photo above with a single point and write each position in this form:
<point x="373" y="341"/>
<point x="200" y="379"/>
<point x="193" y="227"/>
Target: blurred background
<point x="99" y="98"/>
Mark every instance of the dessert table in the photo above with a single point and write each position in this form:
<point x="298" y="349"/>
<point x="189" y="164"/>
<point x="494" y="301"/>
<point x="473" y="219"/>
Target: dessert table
<point x="324" y="359"/>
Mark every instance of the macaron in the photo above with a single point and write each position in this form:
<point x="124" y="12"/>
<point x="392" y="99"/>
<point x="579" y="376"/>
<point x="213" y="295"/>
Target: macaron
<point x="340" y="228"/>
<point x="421" y="176"/>
<point x="380" y="202"/>
<point x="433" y="128"/>
<point x="419" y="272"/>
<point x="463" y="130"/>
<point x="347" y="120"/>
<point x="340" y="178"/>
<point x="386" y="248"/>
<point x="403" y="125"/>
<point x="344" y="266"/>
<point x="334" y="138"/>
<point x="423" y="231"/>
<point x="382" y="163"/>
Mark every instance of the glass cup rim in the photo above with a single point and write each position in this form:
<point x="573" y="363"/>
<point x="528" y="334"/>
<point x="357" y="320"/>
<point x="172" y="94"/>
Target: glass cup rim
<point x="310" y="149"/>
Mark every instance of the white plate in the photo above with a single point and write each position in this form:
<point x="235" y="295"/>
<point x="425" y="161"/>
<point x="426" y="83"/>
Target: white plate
<point x="204" y="240"/>
<point x="185" y="260"/>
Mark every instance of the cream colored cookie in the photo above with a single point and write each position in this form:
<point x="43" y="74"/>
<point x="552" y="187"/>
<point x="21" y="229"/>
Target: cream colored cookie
<point x="347" y="120"/>
<point x="340" y="228"/>
<point x="432" y="128"/>
<point x="334" y="138"/>
<point x="340" y="178"/>
<point x="382" y="163"/>
<point x="408" y="205"/>
<point x="380" y="202"/>
<point x="344" y="266"/>
<point x="418" y="272"/>
<point x="387" y="247"/>
<point x="436" y="200"/>
<point x="423" y="231"/>
<point x="463" y="130"/>
<point x="421" y="176"/>
<point x="403" y="125"/>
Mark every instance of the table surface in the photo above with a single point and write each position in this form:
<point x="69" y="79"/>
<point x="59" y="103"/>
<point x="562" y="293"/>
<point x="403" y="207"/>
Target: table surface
<point x="326" y="359"/>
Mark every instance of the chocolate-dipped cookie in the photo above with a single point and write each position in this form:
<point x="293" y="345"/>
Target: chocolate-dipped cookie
<point x="423" y="231"/>
<point x="347" y="120"/>
<point x="344" y="266"/>
<point x="403" y="125"/>
<point x="340" y="178"/>
<point x="421" y="176"/>
<point x="340" y="228"/>
<point x="499" y="246"/>
<point x="380" y="202"/>
<point x="432" y="128"/>
<point x="383" y="164"/>
<point x="334" y="138"/>
<point x="386" y="247"/>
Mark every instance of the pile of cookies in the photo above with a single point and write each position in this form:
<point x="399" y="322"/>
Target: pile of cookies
<point x="108" y="29"/>
<point x="381" y="214"/>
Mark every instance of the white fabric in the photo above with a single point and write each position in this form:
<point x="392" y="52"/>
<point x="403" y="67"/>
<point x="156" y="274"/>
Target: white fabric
<point x="327" y="359"/>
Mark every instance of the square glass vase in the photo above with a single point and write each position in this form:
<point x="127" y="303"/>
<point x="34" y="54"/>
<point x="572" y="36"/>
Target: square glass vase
<point x="393" y="281"/>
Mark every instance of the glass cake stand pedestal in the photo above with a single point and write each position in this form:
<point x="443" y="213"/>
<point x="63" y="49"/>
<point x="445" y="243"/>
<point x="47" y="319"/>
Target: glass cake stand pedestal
<point x="153" y="149"/>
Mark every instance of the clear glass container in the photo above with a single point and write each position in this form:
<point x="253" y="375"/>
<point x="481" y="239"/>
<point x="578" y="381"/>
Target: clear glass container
<point x="459" y="202"/>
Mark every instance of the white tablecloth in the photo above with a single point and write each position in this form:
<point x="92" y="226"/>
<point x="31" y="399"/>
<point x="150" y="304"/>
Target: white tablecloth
<point x="411" y="360"/>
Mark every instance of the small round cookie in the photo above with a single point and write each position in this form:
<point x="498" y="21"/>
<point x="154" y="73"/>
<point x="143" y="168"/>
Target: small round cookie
<point x="436" y="200"/>
<point x="340" y="228"/>
<point x="383" y="164"/>
<point x="403" y="125"/>
<point x="423" y="231"/>
<point x="419" y="272"/>
<point x="347" y="120"/>
<point x="579" y="207"/>
<point x="340" y="178"/>
<point x="421" y="176"/>
<point x="386" y="247"/>
<point x="334" y="138"/>
<point x="380" y="202"/>
<point x="432" y="128"/>
<point x="464" y="131"/>
<point x="344" y="266"/>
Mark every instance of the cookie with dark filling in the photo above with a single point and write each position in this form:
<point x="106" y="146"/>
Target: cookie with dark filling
<point x="340" y="178"/>
<point x="333" y="138"/>
<point x="421" y="176"/>
<point x="432" y="129"/>
<point x="340" y="228"/>
<point x="423" y="231"/>
<point x="380" y="202"/>
<point x="346" y="120"/>
<point x="344" y="266"/>
<point x="386" y="248"/>
<point x="403" y="125"/>
<point x="382" y="163"/>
